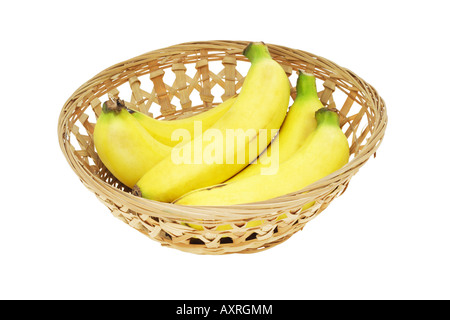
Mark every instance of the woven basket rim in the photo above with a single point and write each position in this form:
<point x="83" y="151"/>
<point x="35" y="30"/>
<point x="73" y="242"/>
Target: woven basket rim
<point x="222" y="213"/>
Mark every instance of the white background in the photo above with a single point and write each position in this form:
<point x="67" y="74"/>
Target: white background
<point x="387" y="237"/>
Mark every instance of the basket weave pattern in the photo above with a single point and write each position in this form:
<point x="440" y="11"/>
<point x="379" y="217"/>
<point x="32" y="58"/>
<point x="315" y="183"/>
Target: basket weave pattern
<point x="182" y="80"/>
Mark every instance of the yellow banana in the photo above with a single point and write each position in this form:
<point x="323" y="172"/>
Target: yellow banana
<point x="163" y="130"/>
<point x="325" y="151"/>
<point x="124" y="146"/>
<point x="299" y="123"/>
<point x="260" y="108"/>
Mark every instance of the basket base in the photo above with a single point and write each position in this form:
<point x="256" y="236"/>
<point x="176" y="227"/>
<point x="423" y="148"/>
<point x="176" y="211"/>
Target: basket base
<point x="251" y="246"/>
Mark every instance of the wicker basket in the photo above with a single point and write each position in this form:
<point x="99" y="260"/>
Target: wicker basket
<point x="192" y="77"/>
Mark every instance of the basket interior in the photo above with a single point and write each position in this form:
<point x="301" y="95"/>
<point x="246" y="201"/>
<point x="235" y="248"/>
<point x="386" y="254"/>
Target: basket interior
<point x="183" y="80"/>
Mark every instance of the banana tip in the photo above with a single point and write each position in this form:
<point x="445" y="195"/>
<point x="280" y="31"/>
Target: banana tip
<point x="137" y="191"/>
<point x="113" y="105"/>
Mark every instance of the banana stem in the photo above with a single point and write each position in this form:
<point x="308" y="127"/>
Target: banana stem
<point x="306" y="85"/>
<point x="256" y="51"/>
<point x="325" y="116"/>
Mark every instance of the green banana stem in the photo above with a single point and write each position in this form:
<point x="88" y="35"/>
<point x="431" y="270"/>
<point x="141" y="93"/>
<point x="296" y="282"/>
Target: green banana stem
<point x="114" y="105"/>
<point x="256" y="51"/>
<point x="306" y="85"/>
<point x="325" y="116"/>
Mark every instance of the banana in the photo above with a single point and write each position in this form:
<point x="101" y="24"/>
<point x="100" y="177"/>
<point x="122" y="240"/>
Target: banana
<point x="124" y="146"/>
<point x="299" y="123"/>
<point x="162" y="130"/>
<point x="260" y="108"/>
<point x="325" y="151"/>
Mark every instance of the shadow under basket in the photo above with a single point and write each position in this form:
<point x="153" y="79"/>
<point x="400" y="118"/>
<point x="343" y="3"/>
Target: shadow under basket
<point x="189" y="78"/>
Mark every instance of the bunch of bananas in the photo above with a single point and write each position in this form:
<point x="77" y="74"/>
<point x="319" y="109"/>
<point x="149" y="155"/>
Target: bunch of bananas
<point x="281" y="149"/>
